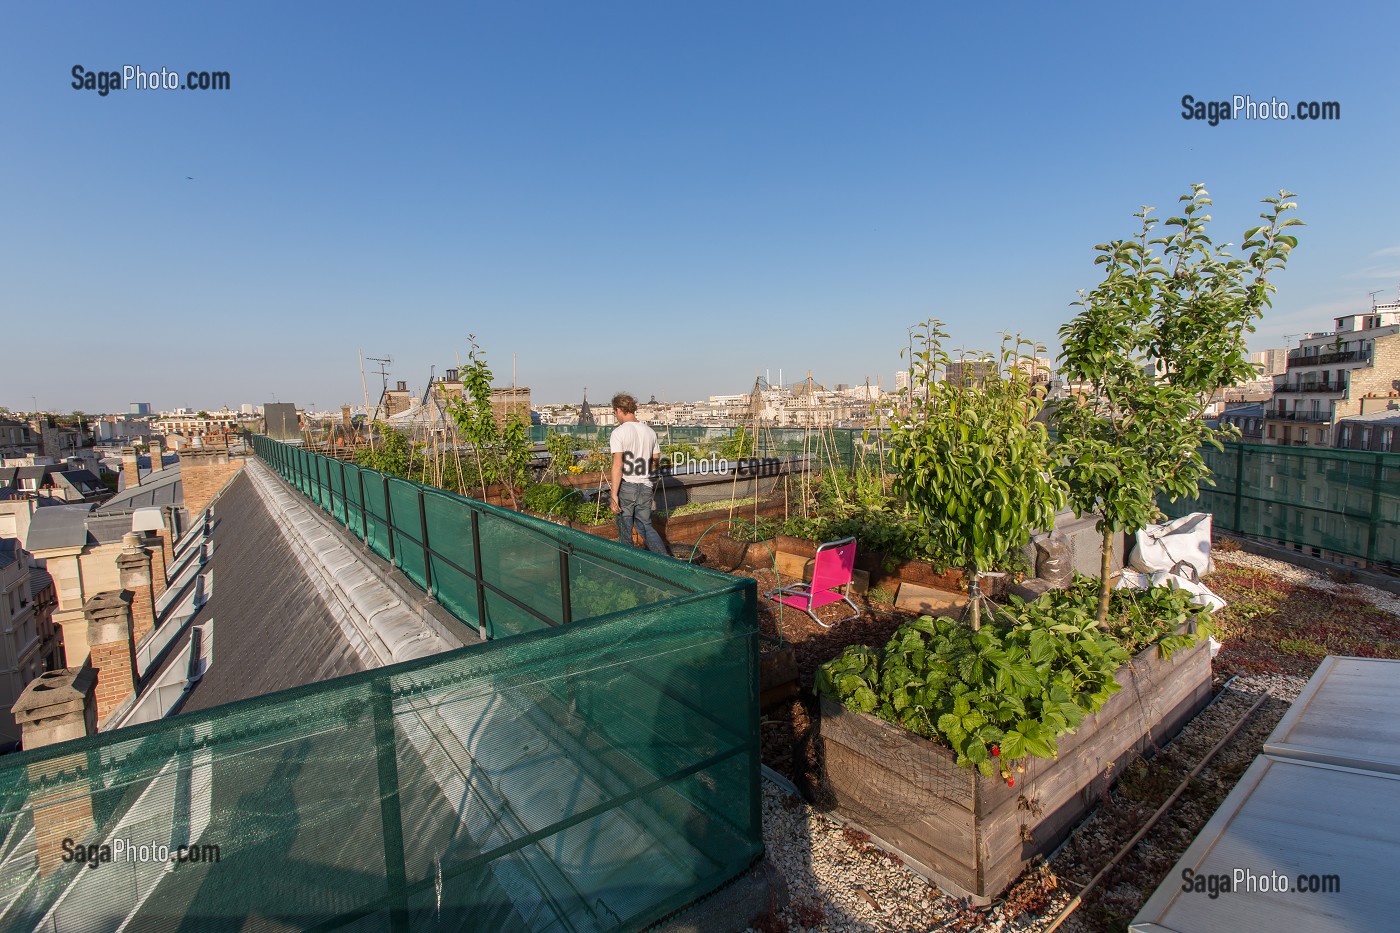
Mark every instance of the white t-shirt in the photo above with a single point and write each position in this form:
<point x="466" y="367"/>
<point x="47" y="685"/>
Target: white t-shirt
<point x="637" y="443"/>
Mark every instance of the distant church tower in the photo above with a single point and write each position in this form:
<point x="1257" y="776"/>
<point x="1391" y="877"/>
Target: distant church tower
<point x="585" y="414"/>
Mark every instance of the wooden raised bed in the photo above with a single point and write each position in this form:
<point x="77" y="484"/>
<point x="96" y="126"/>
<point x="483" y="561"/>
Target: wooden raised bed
<point x="777" y="673"/>
<point x="973" y="835"/>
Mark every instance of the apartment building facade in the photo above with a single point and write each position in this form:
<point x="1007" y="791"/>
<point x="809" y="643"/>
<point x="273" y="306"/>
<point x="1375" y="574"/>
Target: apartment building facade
<point x="1349" y="371"/>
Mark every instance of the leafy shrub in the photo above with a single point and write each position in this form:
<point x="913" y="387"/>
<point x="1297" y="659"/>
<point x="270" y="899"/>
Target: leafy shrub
<point x="595" y="513"/>
<point x="999" y="694"/>
<point x="590" y="598"/>
<point x="549" y="499"/>
<point x="1137" y="618"/>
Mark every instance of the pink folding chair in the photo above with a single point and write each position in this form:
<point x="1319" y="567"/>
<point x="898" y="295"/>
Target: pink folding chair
<point x="833" y="569"/>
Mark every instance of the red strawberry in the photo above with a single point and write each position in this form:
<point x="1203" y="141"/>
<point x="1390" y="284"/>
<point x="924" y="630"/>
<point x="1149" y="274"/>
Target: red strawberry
<point x="1010" y="782"/>
<point x="996" y="750"/>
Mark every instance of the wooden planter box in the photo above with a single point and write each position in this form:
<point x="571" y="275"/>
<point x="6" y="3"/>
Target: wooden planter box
<point x="777" y="674"/>
<point x="972" y="835"/>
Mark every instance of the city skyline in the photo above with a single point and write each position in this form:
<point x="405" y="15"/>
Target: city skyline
<point x="633" y="198"/>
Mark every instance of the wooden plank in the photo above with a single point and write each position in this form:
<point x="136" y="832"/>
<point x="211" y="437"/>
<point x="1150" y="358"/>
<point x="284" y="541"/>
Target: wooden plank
<point x="930" y="601"/>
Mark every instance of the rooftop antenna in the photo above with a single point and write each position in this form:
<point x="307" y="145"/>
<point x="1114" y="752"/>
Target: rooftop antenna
<point x="383" y="370"/>
<point x="1373" y="297"/>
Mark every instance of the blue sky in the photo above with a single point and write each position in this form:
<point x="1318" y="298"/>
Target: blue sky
<point x="659" y="197"/>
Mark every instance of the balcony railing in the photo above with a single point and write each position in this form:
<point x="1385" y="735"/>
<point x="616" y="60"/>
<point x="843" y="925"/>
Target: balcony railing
<point x="1335" y="387"/>
<point x="1311" y="417"/>
<point x="1322" y="359"/>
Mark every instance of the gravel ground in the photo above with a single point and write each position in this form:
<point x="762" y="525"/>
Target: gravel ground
<point x="1290" y="573"/>
<point x="837" y="881"/>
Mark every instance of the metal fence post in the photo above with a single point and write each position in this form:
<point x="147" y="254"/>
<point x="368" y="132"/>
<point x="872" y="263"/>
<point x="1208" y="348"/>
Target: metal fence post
<point x="364" y="515"/>
<point x="476" y="569"/>
<point x="566" y="609"/>
<point x="390" y="816"/>
<point x="1373" y="525"/>
<point x="1239" y="486"/>
<point x="423" y="533"/>
<point x="344" y="495"/>
<point x="389" y="518"/>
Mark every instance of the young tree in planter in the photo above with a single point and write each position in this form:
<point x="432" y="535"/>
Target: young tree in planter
<point x="971" y="460"/>
<point x="501" y="452"/>
<point x="1155" y="340"/>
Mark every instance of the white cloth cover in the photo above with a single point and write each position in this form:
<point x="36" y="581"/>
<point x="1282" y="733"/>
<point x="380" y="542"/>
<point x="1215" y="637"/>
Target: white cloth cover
<point x="1184" y="540"/>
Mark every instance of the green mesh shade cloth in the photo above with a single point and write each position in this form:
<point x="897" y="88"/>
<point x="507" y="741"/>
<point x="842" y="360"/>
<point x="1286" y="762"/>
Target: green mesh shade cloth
<point x="590" y="775"/>
<point x="1345" y="501"/>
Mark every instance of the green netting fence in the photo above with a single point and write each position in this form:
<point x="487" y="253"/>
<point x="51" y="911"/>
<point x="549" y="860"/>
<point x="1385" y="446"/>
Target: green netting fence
<point x="596" y="775"/>
<point x="499" y="571"/>
<point x="1343" y="501"/>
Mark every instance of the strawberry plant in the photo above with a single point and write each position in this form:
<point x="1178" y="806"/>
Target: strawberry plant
<point x="1001" y="693"/>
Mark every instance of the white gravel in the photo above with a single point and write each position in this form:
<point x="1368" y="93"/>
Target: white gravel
<point x="837" y="882"/>
<point x="1292" y="573"/>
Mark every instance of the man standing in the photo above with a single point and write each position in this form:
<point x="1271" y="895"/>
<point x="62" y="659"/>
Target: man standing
<point x="634" y="448"/>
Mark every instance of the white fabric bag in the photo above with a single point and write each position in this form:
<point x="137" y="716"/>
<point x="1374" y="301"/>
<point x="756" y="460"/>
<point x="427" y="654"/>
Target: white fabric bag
<point x="1175" y="545"/>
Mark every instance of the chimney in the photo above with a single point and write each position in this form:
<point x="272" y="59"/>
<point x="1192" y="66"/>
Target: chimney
<point x="55" y="707"/>
<point x="134" y="568"/>
<point x="155" y="448"/>
<point x="171" y="516"/>
<point x="158" y="543"/>
<point x="403" y="386"/>
<point x="130" y="469"/>
<point x="204" y="473"/>
<point x="111" y="651"/>
<point x="451" y="375"/>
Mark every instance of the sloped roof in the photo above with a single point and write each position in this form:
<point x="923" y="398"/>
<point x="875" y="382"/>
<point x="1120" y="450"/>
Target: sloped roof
<point x="59" y="526"/>
<point x="163" y="488"/>
<point x="82" y="482"/>
<point x="39" y="579"/>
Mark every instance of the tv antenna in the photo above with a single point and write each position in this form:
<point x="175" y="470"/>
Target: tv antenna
<point x="383" y="370"/>
<point x="1373" y="297"/>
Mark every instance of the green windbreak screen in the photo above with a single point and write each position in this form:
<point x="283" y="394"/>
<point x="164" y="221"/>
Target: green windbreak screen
<point x="593" y="777"/>
<point x="1343" y="501"/>
<point x="515" y="581"/>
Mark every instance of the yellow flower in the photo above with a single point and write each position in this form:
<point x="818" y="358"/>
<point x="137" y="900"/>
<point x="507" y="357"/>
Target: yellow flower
<point x="575" y="469"/>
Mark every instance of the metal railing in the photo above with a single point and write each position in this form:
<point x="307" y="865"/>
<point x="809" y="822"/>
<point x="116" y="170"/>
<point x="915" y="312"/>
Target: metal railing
<point x="1313" y="417"/>
<point x="1323" y="359"/>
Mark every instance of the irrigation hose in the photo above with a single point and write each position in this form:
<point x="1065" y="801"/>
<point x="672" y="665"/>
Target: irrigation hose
<point x="1128" y="846"/>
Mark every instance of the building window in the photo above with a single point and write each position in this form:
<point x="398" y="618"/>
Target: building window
<point x="1271" y="431"/>
<point x="1388" y="440"/>
<point x="1365" y="438"/>
<point x="1344" y="439"/>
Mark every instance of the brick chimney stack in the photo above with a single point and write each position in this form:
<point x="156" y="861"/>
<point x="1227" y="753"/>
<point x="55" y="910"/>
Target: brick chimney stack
<point x="111" y="650"/>
<point x="204" y="473"/>
<point x="134" y="567"/>
<point x="155" y="448"/>
<point x="131" y="468"/>
<point x="55" y="707"/>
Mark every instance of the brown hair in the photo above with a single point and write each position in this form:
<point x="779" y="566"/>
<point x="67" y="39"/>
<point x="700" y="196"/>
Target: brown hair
<point x="625" y="402"/>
